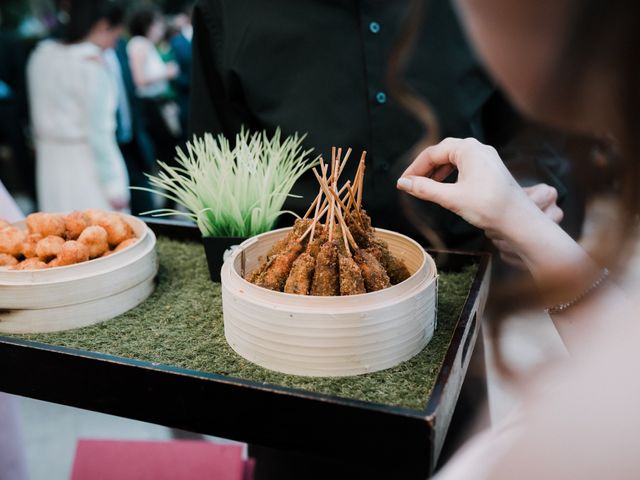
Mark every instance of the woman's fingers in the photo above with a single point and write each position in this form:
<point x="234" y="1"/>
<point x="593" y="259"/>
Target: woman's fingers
<point x="442" y="172"/>
<point x="555" y="213"/>
<point x="428" y="189"/>
<point x="428" y="161"/>
<point x="542" y="195"/>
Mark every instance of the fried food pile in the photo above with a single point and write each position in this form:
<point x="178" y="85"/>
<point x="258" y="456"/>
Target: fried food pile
<point x="343" y="255"/>
<point x="54" y="240"/>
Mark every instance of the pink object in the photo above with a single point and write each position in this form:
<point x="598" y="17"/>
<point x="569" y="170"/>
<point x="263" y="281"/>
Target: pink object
<point x="174" y="460"/>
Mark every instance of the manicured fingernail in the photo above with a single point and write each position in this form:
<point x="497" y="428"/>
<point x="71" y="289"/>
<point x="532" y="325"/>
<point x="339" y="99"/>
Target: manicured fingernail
<point x="405" y="183"/>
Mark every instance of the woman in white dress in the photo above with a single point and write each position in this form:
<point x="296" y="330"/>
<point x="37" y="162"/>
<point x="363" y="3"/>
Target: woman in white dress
<point x="151" y="76"/>
<point x="73" y="106"/>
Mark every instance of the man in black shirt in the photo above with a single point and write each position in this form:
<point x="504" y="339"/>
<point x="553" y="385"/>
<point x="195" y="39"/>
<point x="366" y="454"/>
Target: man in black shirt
<point x="319" y="67"/>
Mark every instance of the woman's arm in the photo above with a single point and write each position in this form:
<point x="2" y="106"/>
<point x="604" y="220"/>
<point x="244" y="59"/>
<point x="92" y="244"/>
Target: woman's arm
<point x="487" y="196"/>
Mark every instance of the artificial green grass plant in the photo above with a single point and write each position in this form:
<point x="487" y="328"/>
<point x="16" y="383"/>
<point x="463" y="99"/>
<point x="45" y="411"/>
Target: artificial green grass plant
<point x="232" y="192"/>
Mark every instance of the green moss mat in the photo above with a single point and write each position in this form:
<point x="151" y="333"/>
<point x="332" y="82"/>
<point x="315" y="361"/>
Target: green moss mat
<point x="181" y="325"/>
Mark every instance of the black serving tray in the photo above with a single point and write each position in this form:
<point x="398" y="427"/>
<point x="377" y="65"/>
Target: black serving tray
<point x="354" y="436"/>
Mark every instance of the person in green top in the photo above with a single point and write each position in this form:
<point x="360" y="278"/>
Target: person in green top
<point x="320" y="67"/>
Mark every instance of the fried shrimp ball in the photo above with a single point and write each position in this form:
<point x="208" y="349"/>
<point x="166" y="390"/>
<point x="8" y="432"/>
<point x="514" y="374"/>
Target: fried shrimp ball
<point x="118" y="230"/>
<point x="7" y="260"/>
<point x="3" y="224"/>
<point x="125" y="244"/>
<point x="11" y="239"/>
<point x="72" y="252"/>
<point x="74" y="224"/>
<point x="49" y="247"/>
<point x="30" y="264"/>
<point x="95" y="238"/>
<point x="29" y="245"/>
<point x="46" y="224"/>
<point x="93" y="215"/>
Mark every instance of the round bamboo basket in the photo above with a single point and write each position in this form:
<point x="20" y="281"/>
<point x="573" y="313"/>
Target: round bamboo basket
<point x="329" y="336"/>
<point x="73" y="296"/>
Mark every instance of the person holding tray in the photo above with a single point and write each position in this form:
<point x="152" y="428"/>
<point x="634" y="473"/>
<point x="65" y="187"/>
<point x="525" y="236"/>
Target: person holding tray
<point x="571" y="65"/>
<point x="321" y="68"/>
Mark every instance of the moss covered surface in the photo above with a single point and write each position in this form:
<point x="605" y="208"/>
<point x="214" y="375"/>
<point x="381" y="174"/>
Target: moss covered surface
<point x="181" y="325"/>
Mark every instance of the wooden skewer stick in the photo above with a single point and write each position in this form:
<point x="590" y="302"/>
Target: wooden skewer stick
<point x="361" y="179"/>
<point x="343" y="227"/>
<point x="344" y="161"/>
<point x="324" y="206"/>
<point x="315" y="204"/>
<point x="343" y="224"/>
<point x="346" y="232"/>
<point x="315" y="216"/>
<point x="320" y="215"/>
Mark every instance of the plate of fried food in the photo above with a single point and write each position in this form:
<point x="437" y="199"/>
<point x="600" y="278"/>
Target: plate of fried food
<point x="330" y="296"/>
<point x="61" y="271"/>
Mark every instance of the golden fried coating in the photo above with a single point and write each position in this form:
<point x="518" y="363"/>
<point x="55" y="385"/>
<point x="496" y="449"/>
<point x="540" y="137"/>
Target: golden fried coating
<point x="46" y="224"/>
<point x="361" y="235"/>
<point x="30" y="264"/>
<point x="94" y="237"/>
<point x="125" y="244"/>
<point x="7" y="260"/>
<point x="259" y="270"/>
<point x="11" y="239"/>
<point x="49" y="247"/>
<point x="118" y="230"/>
<point x="29" y="245"/>
<point x="373" y="273"/>
<point x="314" y="247"/>
<point x="396" y="269"/>
<point x="275" y="275"/>
<point x="72" y="252"/>
<point x="3" y="224"/>
<point x="325" y="278"/>
<point x="93" y="215"/>
<point x="299" y="280"/>
<point x="351" y="281"/>
<point x="75" y="223"/>
<point x="299" y="227"/>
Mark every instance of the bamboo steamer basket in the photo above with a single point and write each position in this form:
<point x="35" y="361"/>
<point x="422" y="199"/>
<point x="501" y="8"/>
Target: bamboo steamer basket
<point x="73" y="296"/>
<point x="329" y="336"/>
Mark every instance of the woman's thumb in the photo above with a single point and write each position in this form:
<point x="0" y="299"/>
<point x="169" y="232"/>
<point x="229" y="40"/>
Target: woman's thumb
<point x="426" y="189"/>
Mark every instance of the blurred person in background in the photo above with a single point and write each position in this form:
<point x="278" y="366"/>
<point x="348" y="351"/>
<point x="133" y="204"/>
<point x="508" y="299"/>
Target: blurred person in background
<point x="17" y="168"/>
<point x="180" y="43"/>
<point x="134" y="141"/>
<point x="73" y="108"/>
<point x="152" y="77"/>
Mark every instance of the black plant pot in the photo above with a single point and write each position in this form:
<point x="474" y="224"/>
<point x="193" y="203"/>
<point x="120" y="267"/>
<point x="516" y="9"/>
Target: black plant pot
<point x="214" y="248"/>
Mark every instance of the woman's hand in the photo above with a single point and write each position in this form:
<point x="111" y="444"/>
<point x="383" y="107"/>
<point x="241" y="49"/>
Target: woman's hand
<point x="485" y="194"/>
<point x="545" y="197"/>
